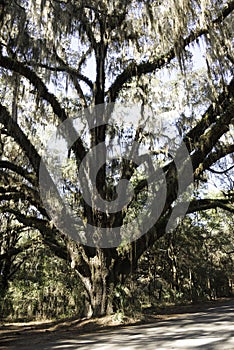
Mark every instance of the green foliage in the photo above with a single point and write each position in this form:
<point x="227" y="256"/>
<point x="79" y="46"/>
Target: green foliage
<point x="44" y="288"/>
<point x="194" y="262"/>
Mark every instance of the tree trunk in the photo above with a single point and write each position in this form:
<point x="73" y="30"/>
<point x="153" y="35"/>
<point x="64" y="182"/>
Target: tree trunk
<point x="101" y="289"/>
<point x="3" y="291"/>
<point x="100" y="275"/>
<point x="99" y="286"/>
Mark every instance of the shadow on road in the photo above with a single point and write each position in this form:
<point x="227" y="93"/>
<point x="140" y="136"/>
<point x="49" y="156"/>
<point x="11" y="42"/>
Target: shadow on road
<point x="212" y="328"/>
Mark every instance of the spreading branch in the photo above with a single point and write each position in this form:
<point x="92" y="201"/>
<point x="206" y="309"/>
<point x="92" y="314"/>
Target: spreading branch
<point x="14" y="251"/>
<point x="137" y="70"/>
<point x="18" y="135"/>
<point x="202" y="152"/>
<point x="36" y="81"/>
<point x="29" y="176"/>
<point x="217" y="155"/>
<point x="24" y="193"/>
<point x="65" y="68"/>
<point x="210" y="116"/>
<point x="47" y="230"/>
<point x="211" y="137"/>
<point x="205" y="204"/>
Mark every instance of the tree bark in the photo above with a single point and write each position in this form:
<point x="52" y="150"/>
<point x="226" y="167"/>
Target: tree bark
<point x="99" y="286"/>
<point x="101" y="272"/>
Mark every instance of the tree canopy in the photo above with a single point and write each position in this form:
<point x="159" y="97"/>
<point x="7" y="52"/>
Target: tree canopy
<point x="59" y="58"/>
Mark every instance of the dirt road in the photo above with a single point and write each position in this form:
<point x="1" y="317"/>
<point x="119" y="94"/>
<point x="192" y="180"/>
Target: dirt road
<point x="210" y="329"/>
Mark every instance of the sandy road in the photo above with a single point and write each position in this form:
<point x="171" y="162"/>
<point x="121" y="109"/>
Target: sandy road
<point x="211" y="329"/>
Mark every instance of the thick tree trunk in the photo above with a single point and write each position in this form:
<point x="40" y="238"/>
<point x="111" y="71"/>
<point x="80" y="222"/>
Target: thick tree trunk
<point x="101" y="275"/>
<point x="99" y="286"/>
<point x="101" y="290"/>
<point x="101" y="296"/>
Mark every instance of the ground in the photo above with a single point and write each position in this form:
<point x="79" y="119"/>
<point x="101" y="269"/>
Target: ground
<point x="41" y="333"/>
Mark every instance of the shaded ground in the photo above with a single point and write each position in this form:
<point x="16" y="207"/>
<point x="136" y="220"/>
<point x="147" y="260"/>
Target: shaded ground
<point x="83" y="334"/>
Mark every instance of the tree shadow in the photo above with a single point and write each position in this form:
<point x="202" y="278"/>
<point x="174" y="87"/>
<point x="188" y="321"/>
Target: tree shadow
<point x="211" y="328"/>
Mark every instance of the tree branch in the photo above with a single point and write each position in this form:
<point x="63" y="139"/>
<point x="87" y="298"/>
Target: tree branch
<point x="47" y="231"/>
<point x="18" y="135"/>
<point x="29" y="176"/>
<point x="137" y="70"/>
<point x="35" y="80"/>
<point x="22" y="192"/>
<point x="210" y="116"/>
<point x="43" y="92"/>
<point x="221" y="172"/>
<point x="74" y="77"/>
<point x="217" y="155"/>
<point x="67" y="69"/>
<point x="205" y="204"/>
<point x="17" y="250"/>
<point x="208" y="140"/>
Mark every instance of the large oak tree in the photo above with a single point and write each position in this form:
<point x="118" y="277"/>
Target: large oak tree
<point x="60" y="57"/>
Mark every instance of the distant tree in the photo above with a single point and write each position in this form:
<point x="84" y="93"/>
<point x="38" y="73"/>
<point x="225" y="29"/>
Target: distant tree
<point x="44" y="48"/>
<point x="43" y="287"/>
<point x="193" y="262"/>
<point x="13" y="253"/>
